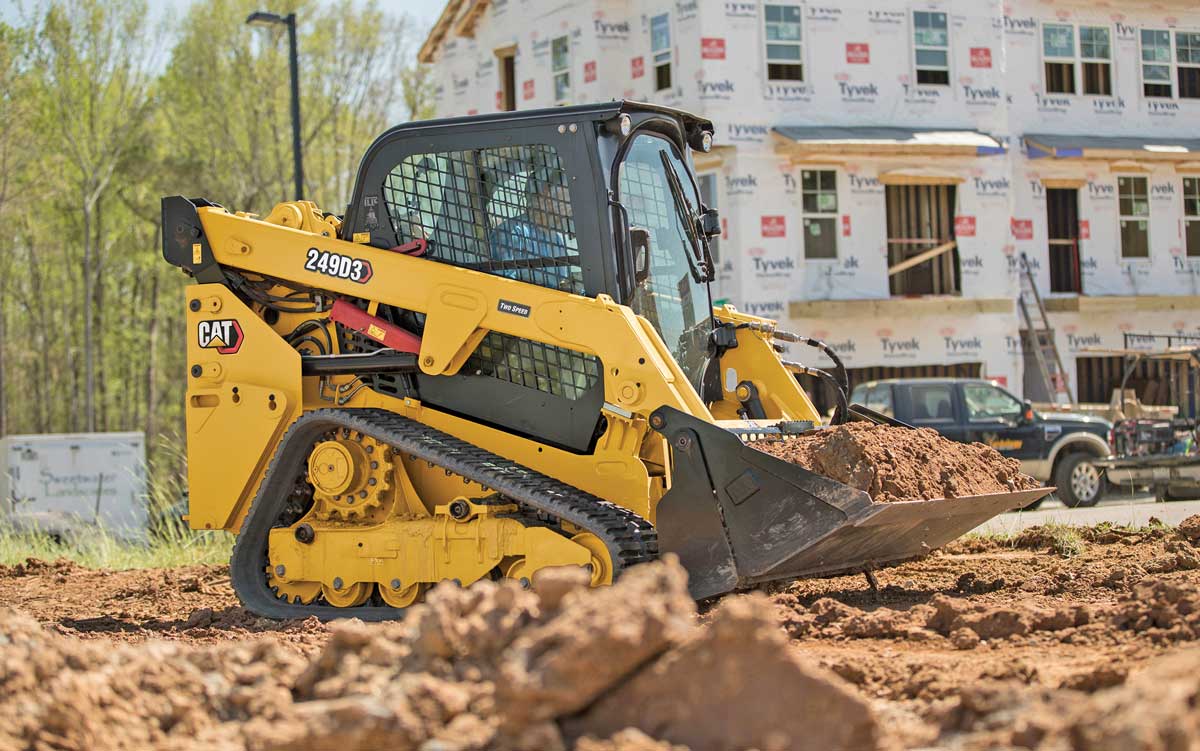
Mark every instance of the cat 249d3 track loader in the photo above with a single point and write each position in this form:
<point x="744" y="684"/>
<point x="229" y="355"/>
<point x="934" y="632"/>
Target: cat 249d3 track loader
<point x="503" y="357"/>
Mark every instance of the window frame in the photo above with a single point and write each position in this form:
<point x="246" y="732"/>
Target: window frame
<point x="931" y="420"/>
<point x="1194" y="218"/>
<point x="669" y="52"/>
<point x="1047" y="59"/>
<point x="806" y="215"/>
<point x="1190" y="65"/>
<point x="1170" y="63"/>
<point x="766" y="44"/>
<point x="989" y="418"/>
<point x="914" y="47"/>
<point x="1083" y="61"/>
<point x="880" y="388"/>
<point x="1122" y="217"/>
<point x="565" y="71"/>
<point x="1077" y="60"/>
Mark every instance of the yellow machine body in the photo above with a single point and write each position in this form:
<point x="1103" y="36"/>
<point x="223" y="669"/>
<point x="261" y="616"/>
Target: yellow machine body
<point x="419" y="392"/>
<point x="240" y="403"/>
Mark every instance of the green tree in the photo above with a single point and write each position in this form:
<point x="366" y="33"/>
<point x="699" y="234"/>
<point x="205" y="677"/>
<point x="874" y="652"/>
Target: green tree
<point x="101" y="114"/>
<point x="13" y="111"/>
<point x="96" y="60"/>
<point x="232" y="100"/>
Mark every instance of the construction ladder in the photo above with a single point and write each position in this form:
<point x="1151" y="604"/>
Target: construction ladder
<point x="1041" y="338"/>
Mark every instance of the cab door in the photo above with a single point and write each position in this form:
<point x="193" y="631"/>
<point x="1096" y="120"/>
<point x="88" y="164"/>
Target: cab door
<point x="996" y="418"/>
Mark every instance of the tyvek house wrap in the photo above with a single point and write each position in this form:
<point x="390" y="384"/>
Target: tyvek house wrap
<point x="858" y="61"/>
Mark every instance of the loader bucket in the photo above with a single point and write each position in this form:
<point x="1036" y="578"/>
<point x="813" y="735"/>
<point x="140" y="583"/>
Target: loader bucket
<point x="737" y="516"/>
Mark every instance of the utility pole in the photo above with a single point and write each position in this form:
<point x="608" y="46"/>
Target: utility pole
<point x="262" y="18"/>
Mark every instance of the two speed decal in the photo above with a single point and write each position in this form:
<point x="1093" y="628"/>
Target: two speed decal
<point x="339" y="266"/>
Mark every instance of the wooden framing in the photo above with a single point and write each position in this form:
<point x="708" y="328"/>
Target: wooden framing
<point x="1063" y="183"/>
<point x="1062" y="230"/>
<point x="920" y="176"/>
<point x="920" y="258"/>
<point x="1130" y="165"/>
<point x="919" y="216"/>
<point x="439" y="31"/>
<point x="465" y="25"/>
<point x="888" y="308"/>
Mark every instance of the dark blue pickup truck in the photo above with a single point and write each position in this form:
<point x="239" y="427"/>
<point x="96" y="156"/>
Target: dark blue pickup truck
<point x="1058" y="449"/>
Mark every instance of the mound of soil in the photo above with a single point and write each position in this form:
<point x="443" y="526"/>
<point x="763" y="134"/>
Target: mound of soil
<point x="490" y="667"/>
<point x="900" y="464"/>
<point x="988" y="643"/>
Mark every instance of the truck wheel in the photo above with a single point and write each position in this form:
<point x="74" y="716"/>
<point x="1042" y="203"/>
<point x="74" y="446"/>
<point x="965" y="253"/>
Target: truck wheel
<point x="1079" y="481"/>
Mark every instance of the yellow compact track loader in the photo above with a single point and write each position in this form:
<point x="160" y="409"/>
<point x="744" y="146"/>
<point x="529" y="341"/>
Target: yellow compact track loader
<point x="504" y="357"/>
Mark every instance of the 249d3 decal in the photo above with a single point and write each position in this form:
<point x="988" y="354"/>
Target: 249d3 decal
<point x="339" y="266"/>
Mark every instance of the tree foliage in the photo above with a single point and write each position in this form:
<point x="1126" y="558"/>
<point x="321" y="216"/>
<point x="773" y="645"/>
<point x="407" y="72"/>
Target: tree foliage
<point x="105" y="107"/>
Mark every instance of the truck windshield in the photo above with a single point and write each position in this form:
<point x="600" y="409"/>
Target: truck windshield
<point x="660" y="196"/>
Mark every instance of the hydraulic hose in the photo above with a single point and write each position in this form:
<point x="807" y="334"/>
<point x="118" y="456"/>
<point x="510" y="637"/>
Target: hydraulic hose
<point x="838" y="367"/>
<point x="842" y="411"/>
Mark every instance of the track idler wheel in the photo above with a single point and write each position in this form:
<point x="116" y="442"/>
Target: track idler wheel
<point x="296" y="593"/>
<point x="602" y="569"/>
<point x="399" y="596"/>
<point x="348" y="596"/>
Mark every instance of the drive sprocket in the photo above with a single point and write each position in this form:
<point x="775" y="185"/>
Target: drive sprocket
<point x="351" y="475"/>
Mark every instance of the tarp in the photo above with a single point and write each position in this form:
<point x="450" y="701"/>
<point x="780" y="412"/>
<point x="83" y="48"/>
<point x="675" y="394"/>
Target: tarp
<point x="870" y="139"/>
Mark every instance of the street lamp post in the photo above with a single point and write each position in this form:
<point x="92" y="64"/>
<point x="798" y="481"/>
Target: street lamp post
<point x="261" y="18"/>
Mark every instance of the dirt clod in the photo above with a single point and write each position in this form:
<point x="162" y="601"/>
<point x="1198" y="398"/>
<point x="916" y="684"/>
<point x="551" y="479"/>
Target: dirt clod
<point x="898" y="464"/>
<point x="700" y="693"/>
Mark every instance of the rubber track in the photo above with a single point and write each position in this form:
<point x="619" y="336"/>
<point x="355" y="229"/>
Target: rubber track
<point x="629" y="538"/>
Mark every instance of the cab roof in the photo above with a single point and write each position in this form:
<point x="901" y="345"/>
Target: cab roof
<point x="597" y="112"/>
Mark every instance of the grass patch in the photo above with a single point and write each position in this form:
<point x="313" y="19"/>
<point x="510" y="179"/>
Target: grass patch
<point x="100" y="549"/>
<point x="1062" y="539"/>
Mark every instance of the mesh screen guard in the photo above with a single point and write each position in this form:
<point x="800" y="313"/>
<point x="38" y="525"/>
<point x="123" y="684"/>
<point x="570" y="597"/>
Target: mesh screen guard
<point x="504" y="211"/>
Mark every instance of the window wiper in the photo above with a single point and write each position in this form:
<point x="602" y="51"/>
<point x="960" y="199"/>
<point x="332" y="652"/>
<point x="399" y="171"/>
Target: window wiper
<point x="701" y="271"/>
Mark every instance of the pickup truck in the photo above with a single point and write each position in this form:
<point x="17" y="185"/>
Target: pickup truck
<point x="1058" y="449"/>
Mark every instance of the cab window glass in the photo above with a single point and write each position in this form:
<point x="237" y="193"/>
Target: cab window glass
<point x="879" y="399"/>
<point x="504" y="210"/>
<point x="986" y="403"/>
<point x="932" y="402"/>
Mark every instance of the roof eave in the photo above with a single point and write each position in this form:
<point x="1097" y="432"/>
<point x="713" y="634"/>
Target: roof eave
<point x="439" y="30"/>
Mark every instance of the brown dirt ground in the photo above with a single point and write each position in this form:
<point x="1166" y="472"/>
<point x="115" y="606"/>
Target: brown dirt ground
<point x="901" y="464"/>
<point x="986" y="644"/>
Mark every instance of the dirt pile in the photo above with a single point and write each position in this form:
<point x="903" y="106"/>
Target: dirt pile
<point x="1154" y="710"/>
<point x="898" y="464"/>
<point x="1148" y="599"/>
<point x="491" y="667"/>
<point x="964" y="623"/>
<point x="1058" y="639"/>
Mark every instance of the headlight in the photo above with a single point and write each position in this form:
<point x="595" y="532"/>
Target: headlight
<point x="626" y="126"/>
<point x="706" y="142"/>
